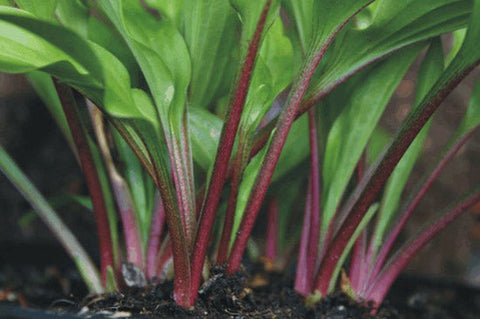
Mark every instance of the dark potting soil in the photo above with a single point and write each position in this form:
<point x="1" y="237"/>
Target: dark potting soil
<point x="238" y="296"/>
<point x="59" y="290"/>
<point x="261" y="295"/>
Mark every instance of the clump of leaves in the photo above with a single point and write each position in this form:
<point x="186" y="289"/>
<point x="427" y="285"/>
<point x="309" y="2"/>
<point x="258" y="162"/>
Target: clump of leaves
<point x="185" y="115"/>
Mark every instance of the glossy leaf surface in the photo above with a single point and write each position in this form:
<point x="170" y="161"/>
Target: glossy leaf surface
<point x="395" y="24"/>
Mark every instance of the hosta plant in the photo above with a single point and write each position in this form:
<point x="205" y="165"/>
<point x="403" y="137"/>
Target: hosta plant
<point x="191" y="117"/>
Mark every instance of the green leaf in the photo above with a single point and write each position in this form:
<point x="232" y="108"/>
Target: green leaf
<point x="209" y="31"/>
<point x="171" y="9"/>
<point x="273" y="72"/>
<point x="296" y="148"/>
<point x="67" y="60"/>
<point x="246" y="186"/>
<point x="396" y="24"/>
<point x="430" y="70"/>
<point x="352" y="129"/>
<point x="457" y="40"/>
<point x="110" y="40"/>
<point x="472" y="116"/>
<point x="44" y="9"/>
<point x="24" y="48"/>
<point x="163" y="58"/>
<point x="465" y="60"/>
<point x="329" y="14"/>
<point x="161" y="53"/>
<point x="205" y="129"/>
<point x="74" y="15"/>
<point x="111" y="282"/>
<point x="318" y="20"/>
<point x="275" y="49"/>
<point x="432" y="67"/>
<point x="378" y="141"/>
<point x="287" y="191"/>
<point x="57" y="202"/>
<point x="302" y="13"/>
<point x="365" y="17"/>
<point x="295" y="151"/>
<point x="248" y="13"/>
<point x="28" y="44"/>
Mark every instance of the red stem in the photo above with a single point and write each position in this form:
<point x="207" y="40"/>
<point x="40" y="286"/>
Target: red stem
<point x="262" y="136"/>
<point x="382" y="256"/>
<point x="156" y="230"/>
<point x="89" y="170"/>
<point x="133" y="244"/>
<point x="328" y="238"/>
<point x="374" y="180"/>
<point x="188" y="160"/>
<point x="181" y="178"/>
<point x="357" y="263"/>
<point x="361" y="165"/>
<point x="303" y="277"/>
<point x="224" y="246"/>
<point x="311" y="99"/>
<point x="123" y="198"/>
<point x="399" y="261"/>
<point x="272" y="230"/>
<point x="181" y="264"/>
<point x="358" y="259"/>
<point x="271" y="158"/>
<point x="222" y="159"/>
<point x="160" y="175"/>
<point x="312" y="255"/>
